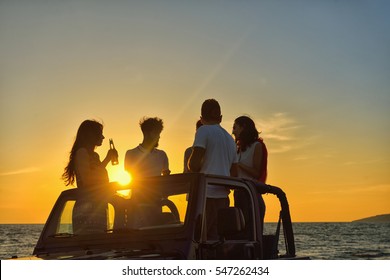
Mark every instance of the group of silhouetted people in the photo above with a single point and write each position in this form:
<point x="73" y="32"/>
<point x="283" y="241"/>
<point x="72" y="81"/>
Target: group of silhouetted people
<point x="214" y="151"/>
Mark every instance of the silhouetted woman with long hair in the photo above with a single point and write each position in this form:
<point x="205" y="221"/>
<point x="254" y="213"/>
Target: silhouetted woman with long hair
<point x="252" y="159"/>
<point x="84" y="165"/>
<point x="251" y="150"/>
<point x="90" y="210"/>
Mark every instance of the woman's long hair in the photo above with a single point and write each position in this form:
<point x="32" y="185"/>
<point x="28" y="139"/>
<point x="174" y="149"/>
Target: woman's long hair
<point x="248" y="135"/>
<point x="87" y="136"/>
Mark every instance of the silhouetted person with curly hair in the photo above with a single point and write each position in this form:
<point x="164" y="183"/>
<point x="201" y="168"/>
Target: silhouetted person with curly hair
<point x="146" y="160"/>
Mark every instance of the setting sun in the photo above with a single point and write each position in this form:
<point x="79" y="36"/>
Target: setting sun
<point x="121" y="176"/>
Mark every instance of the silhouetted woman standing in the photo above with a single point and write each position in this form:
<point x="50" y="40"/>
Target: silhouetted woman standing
<point x="90" y="174"/>
<point x="84" y="165"/>
<point x="252" y="154"/>
<point x="252" y="159"/>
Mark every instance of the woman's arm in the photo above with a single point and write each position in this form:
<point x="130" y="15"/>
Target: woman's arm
<point x="110" y="155"/>
<point x="83" y="167"/>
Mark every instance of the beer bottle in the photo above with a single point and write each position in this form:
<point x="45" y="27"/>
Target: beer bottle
<point x="114" y="160"/>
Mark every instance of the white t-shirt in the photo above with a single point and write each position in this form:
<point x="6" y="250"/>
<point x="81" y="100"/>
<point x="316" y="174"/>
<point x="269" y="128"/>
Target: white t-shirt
<point x="142" y="163"/>
<point x="247" y="159"/>
<point x="219" y="156"/>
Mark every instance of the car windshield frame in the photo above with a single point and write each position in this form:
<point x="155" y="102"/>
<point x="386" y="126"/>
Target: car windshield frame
<point x="121" y="199"/>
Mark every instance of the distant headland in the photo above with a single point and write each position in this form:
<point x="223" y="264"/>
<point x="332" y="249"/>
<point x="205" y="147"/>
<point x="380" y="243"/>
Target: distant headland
<point x="374" y="219"/>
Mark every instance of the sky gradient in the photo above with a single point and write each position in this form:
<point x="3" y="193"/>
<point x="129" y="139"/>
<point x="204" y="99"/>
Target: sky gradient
<point x="314" y="75"/>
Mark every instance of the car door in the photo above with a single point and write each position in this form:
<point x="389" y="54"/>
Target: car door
<point x="240" y="243"/>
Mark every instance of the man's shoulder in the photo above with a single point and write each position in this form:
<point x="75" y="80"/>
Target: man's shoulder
<point x="214" y="133"/>
<point x="209" y="130"/>
<point x="160" y="152"/>
<point x="132" y="151"/>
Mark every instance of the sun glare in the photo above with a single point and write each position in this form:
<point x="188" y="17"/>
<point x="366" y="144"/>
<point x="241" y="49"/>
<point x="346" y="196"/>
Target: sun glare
<point x="122" y="177"/>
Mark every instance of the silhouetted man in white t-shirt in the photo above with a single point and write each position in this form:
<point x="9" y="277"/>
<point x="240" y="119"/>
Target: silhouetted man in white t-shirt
<point x="214" y="152"/>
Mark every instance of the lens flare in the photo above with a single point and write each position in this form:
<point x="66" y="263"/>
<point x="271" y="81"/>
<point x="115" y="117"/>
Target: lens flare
<point x="122" y="177"/>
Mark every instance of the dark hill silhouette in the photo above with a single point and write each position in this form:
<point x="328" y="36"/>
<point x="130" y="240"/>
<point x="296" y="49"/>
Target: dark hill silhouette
<point x="385" y="218"/>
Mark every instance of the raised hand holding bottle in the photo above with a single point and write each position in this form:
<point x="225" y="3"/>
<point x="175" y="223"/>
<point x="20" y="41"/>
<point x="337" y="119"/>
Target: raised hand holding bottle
<point x="114" y="158"/>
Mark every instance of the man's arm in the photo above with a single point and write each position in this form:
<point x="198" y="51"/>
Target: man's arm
<point x="196" y="159"/>
<point x="129" y="163"/>
<point x="126" y="164"/>
<point x="165" y="169"/>
<point x="234" y="170"/>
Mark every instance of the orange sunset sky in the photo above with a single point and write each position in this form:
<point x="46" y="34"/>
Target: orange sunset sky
<point x="314" y="75"/>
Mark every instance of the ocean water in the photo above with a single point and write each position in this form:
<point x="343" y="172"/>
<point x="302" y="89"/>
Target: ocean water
<point x="18" y="240"/>
<point x="343" y="241"/>
<point x="324" y="241"/>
